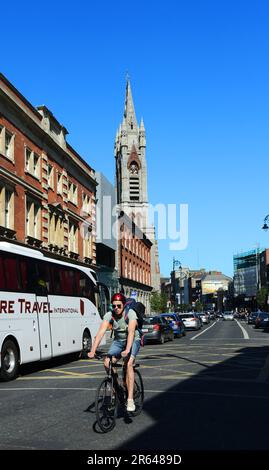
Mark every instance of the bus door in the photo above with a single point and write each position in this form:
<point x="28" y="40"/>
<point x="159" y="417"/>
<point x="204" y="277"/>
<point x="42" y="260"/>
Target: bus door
<point x="43" y="315"/>
<point x="43" y="318"/>
<point x="103" y="299"/>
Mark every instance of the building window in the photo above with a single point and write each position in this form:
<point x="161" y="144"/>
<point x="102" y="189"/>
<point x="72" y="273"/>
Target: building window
<point x="56" y="230"/>
<point x="33" y="218"/>
<point x="73" y="237"/>
<point x="73" y="193"/>
<point x="59" y="183"/>
<point x="32" y="163"/>
<point x="134" y="185"/>
<point x="7" y="143"/>
<point x="50" y="176"/>
<point x="87" y="241"/>
<point x="6" y="207"/>
<point x="86" y="203"/>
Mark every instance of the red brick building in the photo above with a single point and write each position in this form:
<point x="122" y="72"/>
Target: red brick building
<point x="134" y="261"/>
<point x="47" y="191"/>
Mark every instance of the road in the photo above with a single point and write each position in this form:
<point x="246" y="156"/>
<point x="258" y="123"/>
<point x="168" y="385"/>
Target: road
<point x="208" y="390"/>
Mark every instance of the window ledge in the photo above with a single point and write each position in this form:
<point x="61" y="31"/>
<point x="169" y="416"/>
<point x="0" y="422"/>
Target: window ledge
<point x="11" y="160"/>
<point x="27" y="172"/>
<point x="7" y="233"/>
<point x="73" y="255"/>
<point x="33" y="241"/>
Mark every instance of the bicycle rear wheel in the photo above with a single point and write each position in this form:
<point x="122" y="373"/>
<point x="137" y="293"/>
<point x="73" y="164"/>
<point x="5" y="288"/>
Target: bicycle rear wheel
<point x="138" y="393"/>
<point x="106" y="405"/>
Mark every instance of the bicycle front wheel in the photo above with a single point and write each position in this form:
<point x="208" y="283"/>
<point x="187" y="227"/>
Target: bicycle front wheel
<point x="138" y="393"/>
<point x="106" y="405"/>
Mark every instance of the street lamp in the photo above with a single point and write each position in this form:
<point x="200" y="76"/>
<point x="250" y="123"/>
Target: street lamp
<point x="265" y="223"/>
<point x="176" y="262"/>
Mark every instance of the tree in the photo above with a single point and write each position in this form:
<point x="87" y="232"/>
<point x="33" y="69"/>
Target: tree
<point x="262" y="296"/>
<point x="158" y="302"/>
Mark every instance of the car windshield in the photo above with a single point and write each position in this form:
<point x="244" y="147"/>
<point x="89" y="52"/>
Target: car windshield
<point x="151" y="320"/>
<point x="169" y="317"/>
<point x="187" y="315"/>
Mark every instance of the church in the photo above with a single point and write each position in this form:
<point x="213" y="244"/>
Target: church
<point x="138" y="259"/>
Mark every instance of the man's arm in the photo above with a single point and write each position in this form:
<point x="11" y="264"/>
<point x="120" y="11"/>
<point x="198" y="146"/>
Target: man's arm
<point x="103" y="327"/>
<point x="131" y="332"/>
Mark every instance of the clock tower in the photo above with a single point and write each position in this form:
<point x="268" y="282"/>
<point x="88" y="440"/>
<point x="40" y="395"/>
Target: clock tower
<point x="131" y="166"/>
<point x="131" y="177"/>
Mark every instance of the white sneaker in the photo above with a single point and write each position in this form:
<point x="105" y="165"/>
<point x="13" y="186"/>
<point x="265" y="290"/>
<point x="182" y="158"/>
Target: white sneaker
<point x="130" y="405"/>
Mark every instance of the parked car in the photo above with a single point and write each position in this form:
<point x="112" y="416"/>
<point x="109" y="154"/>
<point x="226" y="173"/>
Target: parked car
<point x="212" y="315"/>
<point x="219" y="314"/>
<point x="228" y="316"/>
<point x="176" y="323"/>
<point x="262" y="320"/>
<point x="191" y="320"/>
<point x="157" y="329"/>
<point x="252" y="318"/>
<point x="204" y="317"/>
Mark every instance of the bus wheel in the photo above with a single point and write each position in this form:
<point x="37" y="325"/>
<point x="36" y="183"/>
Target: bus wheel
<point x="9" y="361"/>
<point x="86" y="344"/>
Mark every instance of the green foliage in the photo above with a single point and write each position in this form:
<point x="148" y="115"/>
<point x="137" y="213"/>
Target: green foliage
<point x="199" y="307"/>
<point x="262" y="298"/>
<point x="158" y="302"/>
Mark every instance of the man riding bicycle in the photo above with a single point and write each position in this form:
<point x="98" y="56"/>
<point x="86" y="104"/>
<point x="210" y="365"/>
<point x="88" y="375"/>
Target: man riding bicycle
<point x="126" y="342"/>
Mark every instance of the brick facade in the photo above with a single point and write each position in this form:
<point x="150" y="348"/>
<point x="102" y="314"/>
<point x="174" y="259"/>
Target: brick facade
<point x="47" y="191"/>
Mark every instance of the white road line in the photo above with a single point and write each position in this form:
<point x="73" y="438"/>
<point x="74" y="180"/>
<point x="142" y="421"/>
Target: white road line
<point x="245" y="333"/>
<point x="196" y="336"/>
<point x="46" y="388"/>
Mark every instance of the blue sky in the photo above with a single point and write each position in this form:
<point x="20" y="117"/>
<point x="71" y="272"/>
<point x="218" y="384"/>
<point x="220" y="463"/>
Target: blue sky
<point x="199" y="76"/>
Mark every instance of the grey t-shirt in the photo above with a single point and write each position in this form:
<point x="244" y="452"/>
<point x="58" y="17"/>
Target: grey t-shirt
<point x="120" y="326"/>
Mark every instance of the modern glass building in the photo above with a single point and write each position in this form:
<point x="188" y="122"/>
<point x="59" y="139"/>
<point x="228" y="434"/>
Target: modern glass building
<point x="247" y="273"/>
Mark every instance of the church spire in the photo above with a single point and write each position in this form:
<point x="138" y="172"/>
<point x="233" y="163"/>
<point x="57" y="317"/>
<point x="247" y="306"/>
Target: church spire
<point x="129" y="110"/>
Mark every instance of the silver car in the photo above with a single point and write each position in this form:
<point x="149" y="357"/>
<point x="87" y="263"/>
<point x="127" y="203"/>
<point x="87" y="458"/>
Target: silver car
<point x="228" y="316"/>
<point x="191" y="320"/>
<point x="204" y="317"/>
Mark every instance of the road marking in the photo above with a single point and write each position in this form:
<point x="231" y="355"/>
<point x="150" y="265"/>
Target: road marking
<point x="22" y="389"/>
<point x="169" y="392"/>
<point x="196" y="336"/>
<point x="245" y="333"/>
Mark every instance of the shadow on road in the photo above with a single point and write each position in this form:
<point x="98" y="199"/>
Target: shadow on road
<point x="224" y="407"/>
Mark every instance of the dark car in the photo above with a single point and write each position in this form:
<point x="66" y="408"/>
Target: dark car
<point x="252" y="318"/>
<point x="157" y="329"/>
<point x="262" y="320"/>
<point x="176" y="323"/>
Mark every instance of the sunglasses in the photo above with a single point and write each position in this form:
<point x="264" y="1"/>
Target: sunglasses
<point x="116" y="305"/>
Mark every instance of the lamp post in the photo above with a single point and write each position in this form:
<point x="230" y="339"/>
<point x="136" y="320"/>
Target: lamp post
<point x="176" y="262"/>
<point x="265" y="223"/>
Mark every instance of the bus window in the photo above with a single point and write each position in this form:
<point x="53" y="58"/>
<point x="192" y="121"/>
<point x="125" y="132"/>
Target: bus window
<point x="42" y="278"/>
<point x="11" y="274"/>
<point x="23" y="274"/>
<point x="2" y="276"/>
<point x="86" y="288"/>
<point x="64" y="281"/>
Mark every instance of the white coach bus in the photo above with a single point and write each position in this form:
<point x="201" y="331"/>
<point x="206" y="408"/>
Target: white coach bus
<point x="47" y="307"/>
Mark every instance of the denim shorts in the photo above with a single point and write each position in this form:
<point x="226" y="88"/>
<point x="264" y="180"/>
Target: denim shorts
<point x="117" y="347"/>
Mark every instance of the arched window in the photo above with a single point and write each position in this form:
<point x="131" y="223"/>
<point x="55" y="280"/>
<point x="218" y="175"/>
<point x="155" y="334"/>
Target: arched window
<point x="134" y="185"/>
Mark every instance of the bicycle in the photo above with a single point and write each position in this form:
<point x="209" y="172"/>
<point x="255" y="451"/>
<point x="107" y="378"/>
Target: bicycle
<point x="112" y="393"/>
